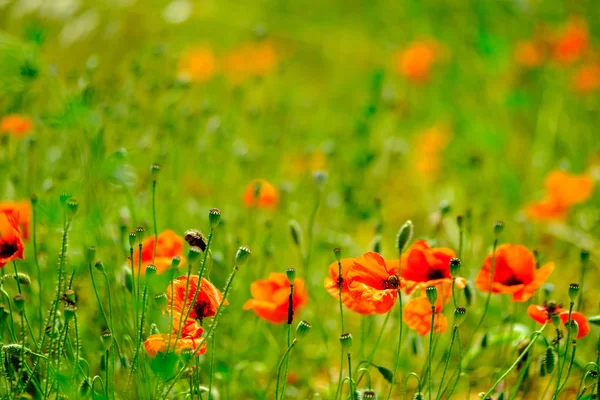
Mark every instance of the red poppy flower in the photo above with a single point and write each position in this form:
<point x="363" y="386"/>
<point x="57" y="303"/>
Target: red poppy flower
<point x="22" y="212"/>
<point x="373" y="281"/>
<point x="169" y="245"/>
<point x="271" y="297"/>
<point x="207" y="300"/>
<point x="514" y="272"/>
<point x="417" y="315"/>
<point x="416" y="61"/>
<point x="160" y="342"/>
<point x="573" y="42"/>
<point x="11" y="241"/>
<point x="16" y="125"/>
<point x="266" y="197"/>
<point x="331" y="285"/>
<point x="543" y="314"/>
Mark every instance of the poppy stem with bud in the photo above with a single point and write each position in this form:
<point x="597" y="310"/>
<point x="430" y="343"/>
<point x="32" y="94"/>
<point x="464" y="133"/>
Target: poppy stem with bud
<point x="291" y="275"/>
<point x="431" y="292"/>
<point x="154" y="170"/>
<point x="34" y="201"/>
<point x="573" y="291"/>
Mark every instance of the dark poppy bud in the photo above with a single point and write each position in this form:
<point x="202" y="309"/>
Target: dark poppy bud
<point x="195" y="238"/>
<point x="460" y="220"/>
<point x="346" y="341"/>
<point x="498" y="227"/>
<point x="214" y="217"/>
<point x="154" y="170"/>
<point x="455" y="266"/>
<point x="291" y="275"/>
<point x="84" y="388"/>
<point x="128" y="279"/>
<point x="296" y="232"/>
<point x="90" y="254"/>
<point x="573" y="291"/>
<point x="445" y="208"/>
<point x="337" y="252"/>
<point x="418" y="396"/>
<point x="542" y="365"/>
<point x="242" y="256"/>
<point x="72" y="206"/>
<point x="140" y="232"/>
<point x="132" y="239"/>
<point x="584" y="256"/>
<point x="460" y="314"/>
<point x="404" y="235"/>
<point x="468" y="291"/>
<point x="432" y="295"/>
<point x="369" y="394"/>
<point x="107" y="339"/>
<point x="70" y="296"/>
<point x="302" y="329"/>
<point x="99" y="266"/>
<point x="19" y="301"/>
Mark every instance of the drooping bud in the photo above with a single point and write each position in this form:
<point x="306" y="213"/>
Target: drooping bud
<point x="573" y="328"/>
<point x="194" y="254"/>
<point x="90" y="254"/>
<point x="542" y="365"/>
<point x="584" y="256"/>
<point x="84" y="388"/>
<point x="460" y="314"/>
<point x="33" y="199"/>
<point x="590" y="379"/>
<point x="132" y="239"/>
<point x="369" y="394"/>
<point x="19" y="301"/>
<point x="376" y="244"/>
<point x="23" y="279"/>
<point x="242" y="256"/>
<point x="346" y="341"/>
<point x="455" y="266"/>
<point x="573" y="291"/>
<point x="128" y="279"/>
<point x="154" y="329"/>
<point x="337" y="252"/>
<point x="404" y="235"/>
<point x="154" y="170"/>
<point x="72" y="206"/>
<point x="161" y="300"/>
<point x="99" y="266"/>
<point x="498" y="227"/>
<point x="107" y="339"/>
<point x="460" y="220"/>
<point x="468" y="291"/>
<point x="445" y="208"/>
<point x="140" y="232"/>
<point x="195" y="238"/>
<point x="214" y="217"/>
<point x="291" y="275"/>
<point x="302" y="329"/>
<point x="432" y="295"/>
<point x="296" y="232"/>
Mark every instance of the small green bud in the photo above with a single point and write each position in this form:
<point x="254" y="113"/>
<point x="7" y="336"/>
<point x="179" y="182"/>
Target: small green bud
<point x="291" y="275"/>
<point x="591" y="377"/>
<point x="23" y="279"/>
<point x="72" y="206"/>
<point x="460" y="314"/>
<point x="84" y="388"/>
<point x="214" y="217"/>
<point x="175" y="261"/>
<point x="19" y="301"/>
<point x="107" y="339"/>
<point x="460" y="220"/>
<point x="296" y="232"/>
<point x="154" y="170"/>
<point x="90" y="255"/>
<point x="455" y="266"/>
<point x="140" y="232"/>
<point x="186" y="354"/>
<point x="432" y="295"/>
<point x="346" y="341"/>
<point x="64" y="196"/>
<point x="150" y="271"/>
<point x="584" y="256"/>
<point x="498" y="227"/>
<point x="194" y="254"/>
<point x="375" y="244"/>
<point x="369" y="394"/>
<point x="128" y="279"/>
<point x="302" y="329"/>
<point x="404" y="235"/>
<point x="573" y="291"/>
<point x="242" y="256"/>
<point x="70" y="296"/>
<point x="445" y="208"/>
<point x="69" y="312"/>
<point x="34" y="199"/>
<point x="99" y="266"/>
<point x="573" y="328"/>
<point x="542" y="365"/>
<point x="418" y="396"/>
<point x="549" y="360"/>
<point x="337" y="252"/>
<point x="132" y="239"/>
<point x="154" y="329"/>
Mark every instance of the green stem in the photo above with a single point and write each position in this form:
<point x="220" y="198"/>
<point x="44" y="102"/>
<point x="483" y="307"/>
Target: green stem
<point x="430" y="356"/>
<point x="454" y="331"/>
<point x="211" y="365"/>
<point x="187" y="288"/>
<point x="459" y="370"/>
<point x="37" y="266"/>
<point x="489" y="295"/>
<point x="289" y="334"/>
<point x="570" y="366"/>
<point x="339" y="386"/>
<point x="112" y="330"/>
<point x="350" y="380"/>
<point x="154" y="219"/>
<point x="283" y="359"/>
<point x="374" y="350"/>
<point x="397" y="364"/>
<point x="561" y="365"/>
<point x="134" y="362"/>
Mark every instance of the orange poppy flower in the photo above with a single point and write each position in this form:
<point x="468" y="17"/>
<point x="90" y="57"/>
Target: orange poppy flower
<point x="331" y="285"/>
<point x="22" y="212"/>
<point x="267" y="196"/>
<point x="251" y="60"/>
<point x="417" y="315"/>
<point x="514" y="272"/>
<point x="373" y="281"/>
<point x="11" y="241"/>
<point x="169" y="245"/>
<point x="16" y="125"/>
<point x="424" y="266"/>
<point x="529" y="54"/>
<point x="573" y="42"/>
<point x="416" y="61"/>
<point x="587" y="78"/>
<point x="271" y="297"/>
<point x="429" y="147"/>
<point x="160" y="342"/>
<point x="563" y="191"/>
<point x="207" y="301"/>
<point x="543" y="314"/>
<point x="197" y="64"/>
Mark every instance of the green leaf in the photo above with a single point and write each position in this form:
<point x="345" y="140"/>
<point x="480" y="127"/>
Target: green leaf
<point x="385" y="372"/>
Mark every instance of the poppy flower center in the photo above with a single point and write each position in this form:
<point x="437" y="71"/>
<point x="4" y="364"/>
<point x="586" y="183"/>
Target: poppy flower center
<point x="435" y="274"/>
<point x="512" y="281"/>
<point x="393" y="282"/>
<point x="8" y="249"/>
<point x="201" y="309"/>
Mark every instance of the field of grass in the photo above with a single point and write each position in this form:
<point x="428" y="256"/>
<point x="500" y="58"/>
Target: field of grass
<point x="443" y="155"/>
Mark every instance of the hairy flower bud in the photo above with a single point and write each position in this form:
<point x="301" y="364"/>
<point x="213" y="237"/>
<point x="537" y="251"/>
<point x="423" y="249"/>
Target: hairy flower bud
<point x="404" y="235"/>
<point x="302" y="329"/>
<point x="214" y="217"/>
<point x="291" y="275"/>
<point x="432" y="295"/>
<point x="242" y="256"/>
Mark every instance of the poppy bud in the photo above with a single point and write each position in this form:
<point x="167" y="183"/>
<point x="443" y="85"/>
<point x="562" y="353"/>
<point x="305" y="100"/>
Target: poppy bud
<point x="150" y="271"/>
<point x="70" y="295"/>
<point x="23" y="279"/>
<point x="573" y="291"/>
<point x="34" y="199"/>
<point x="549" y="360"/>
<point x="214" y="217"/>
<point x="555" y="320"/>
<point x="296" y="232"/>
<point x="19" y="301"/>
<point x="154" y="329"/>
<point x="90" y="254"/>
<point x="445" y="208"/>
<point x="460" y="314"/>
<point x="195" y="238"/>
<point x="584" y="256"/>
<point x="161" y="300"/>
<point x="418" y="396"/>
<point x="498" y="227"/>
<point x="337" y="252"/>
<point x="154" y="170"/>
<point x="99" y="266"/>
<point x="432" y="295"/>
<point x="376" y="244"/>
<point x="140" y="232"/>
<point x="175" y="261"/>
<point x="573" y="328"/>
<point x="320" y="178"/>
<point x="454" y="266"/>
<point x="132" y="239"/>
<point x="194" y="254"/>
<point x="69" y="312"/>
<point x="404" y="235"/>
<point x="369" y="394"/>
<point x="291" y="275"/>
<point x="302" y="329"/>
<point x="128" y="279"/>
<point x="468" y="291"/>
<point x="346" y="341"/>
<point x="242" y="256"/>
<point x="542" y="364"/>
<point x="460" y="220"/>
<point x="256" y="192"/>
<point x="591" y="377"/>
<point x="107" y="339"/>
<point x="186" y="354"/>
<point x="72" y="206"/>
<point x="84" y="388"/>
<point x="64" y="196"/>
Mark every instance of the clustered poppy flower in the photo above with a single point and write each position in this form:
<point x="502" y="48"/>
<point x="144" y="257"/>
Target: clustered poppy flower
<point x="542" y="314"/>
<point x="260" y="193"/>
<point x="271" y="297"/>
<point x="16" y="125"/>
<point x="514" y="272"/>
<point x="22" y="212"/>
<point x="331" y="285"/>
<point x="11" y="240"/>
<point x="197" y="64"/>
<point x="168" y="245"/>
<point x="563" y="190"/>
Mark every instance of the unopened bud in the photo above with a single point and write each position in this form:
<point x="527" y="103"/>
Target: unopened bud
<point x="195" y="238"/>
<point x="498" y="227"/>
<point x="128" y="279"/>
<point x="346" y="341"/>
<point x="291" y="275"/>
<point x="584" y="256"/>
<point x="107" y="339"/>
<point x="64" y="196"/>
<point x="194" y="254"/>
<point x="455" y="266"/>
<point x="296" y="232"/>
<point x="445" y="208"/>
<point x="302" y="329"/>
<point x="34" y="199"/>
<point x="591" y="377"/>
<point x="140" y="232"/>
<point x="72" y="206"/>
<point x="23" y="279"/>
<point x="154" y="170"/>
<point x="214" y="217"/>
<point x="549" y="360"/>
<point x="19" y="301"/>
<point x="460" y="220"/>
<point x="175" y="261"/>
<point x="432" y="295"/>
<point x="154" y="329"/>
<point x="418" y="396"/>
<point x="150" y="271"/>
<point x="460" y="314"/>
<point x="90" y="254"/>
<point x="404" y="235"/>
<point x="242" y="256"/>
<point x="84" y="388"/>
<point x="573" y="291"/>
<point x="573" y="328"/>
<point x="132" y="239"/>
<point x="337" y="252"/>
<point x="99" y="266"/>
<point x="70" y="296"/>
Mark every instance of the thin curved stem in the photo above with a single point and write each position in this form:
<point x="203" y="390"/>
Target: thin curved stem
<point x="283" y="359"/>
